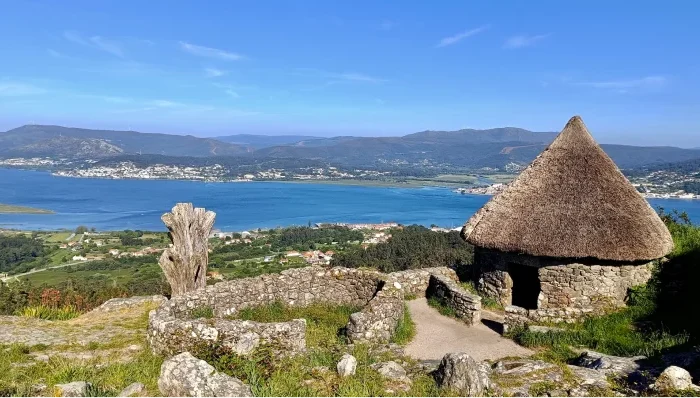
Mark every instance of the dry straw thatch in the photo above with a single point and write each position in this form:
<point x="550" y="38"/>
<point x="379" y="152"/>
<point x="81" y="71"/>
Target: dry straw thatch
<point x="571" y="202"/>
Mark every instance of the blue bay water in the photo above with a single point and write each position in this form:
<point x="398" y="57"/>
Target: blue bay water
<point x="138" y="204"/>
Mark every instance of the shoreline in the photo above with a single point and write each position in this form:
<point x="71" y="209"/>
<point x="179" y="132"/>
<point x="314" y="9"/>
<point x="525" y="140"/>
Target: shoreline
<point x="14" y="209"/>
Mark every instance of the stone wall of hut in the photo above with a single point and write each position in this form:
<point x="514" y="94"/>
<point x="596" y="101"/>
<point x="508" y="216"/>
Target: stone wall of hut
<point x="573" y="286"/>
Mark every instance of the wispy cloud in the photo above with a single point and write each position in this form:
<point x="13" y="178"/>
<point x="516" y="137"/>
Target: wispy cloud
<point x="210" y="52"/>
<point x="357" y="77"/>
<point x="213" y="72"/>
<point x="17" y="89"/>
<point x="97" y="42"/>
<point x="232" y="93"/>
<point x="110" y="46"/>
<point x="521" y="41"/>
<point x="624" y="84"/>
<point x="448" y="41"/>
<point x="165" y="104"/>
<point x="56" y="54"/>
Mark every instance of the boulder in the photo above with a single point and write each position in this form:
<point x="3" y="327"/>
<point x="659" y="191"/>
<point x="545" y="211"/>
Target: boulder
<point x="390" y="370"/>
<point x="674" y="378"/>
<point x="610" y="364"/>
<point x="347" y="365"/>
<point x="461" y="373"/>
<point x="133" y="390"/>
<point x="186" y="376"/>
<point x="72" y="389"/>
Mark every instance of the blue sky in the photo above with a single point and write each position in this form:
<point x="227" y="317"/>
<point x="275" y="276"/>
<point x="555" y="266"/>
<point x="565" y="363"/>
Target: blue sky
<point x="354" y="67"/>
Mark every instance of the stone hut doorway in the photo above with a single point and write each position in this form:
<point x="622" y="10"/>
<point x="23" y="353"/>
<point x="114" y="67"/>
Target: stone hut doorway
<point x="526" y="285"/>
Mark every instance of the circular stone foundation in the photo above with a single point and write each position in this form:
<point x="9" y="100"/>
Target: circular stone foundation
<point x="205" y="316"/>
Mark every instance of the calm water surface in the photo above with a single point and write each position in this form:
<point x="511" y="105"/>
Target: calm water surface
<point x="138" y="204"/>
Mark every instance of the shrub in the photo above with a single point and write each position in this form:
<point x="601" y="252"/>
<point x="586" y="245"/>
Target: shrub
<point x="63" y="313"/>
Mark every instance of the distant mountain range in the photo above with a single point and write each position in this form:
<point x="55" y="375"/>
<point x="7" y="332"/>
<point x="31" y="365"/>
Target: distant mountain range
<point x="426" y="151"/>
<point x="60" y="142"/>
<point x="264" y="141"/>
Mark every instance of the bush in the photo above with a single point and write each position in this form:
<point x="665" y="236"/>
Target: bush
<point x="63" y="313"/>
<point x="410" y="248"/>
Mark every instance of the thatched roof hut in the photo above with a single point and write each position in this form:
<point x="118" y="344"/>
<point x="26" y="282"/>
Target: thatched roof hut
<point x="571" y="202"/>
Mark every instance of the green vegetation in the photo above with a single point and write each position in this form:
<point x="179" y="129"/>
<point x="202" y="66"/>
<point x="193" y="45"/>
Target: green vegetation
<point x="324" y="322"/>
<point x="441" y="307"/>
<point x="22" y="209"/>
<point x="202" y="312"/>
<point x="108" y="379"/>
<point x="305" y="238"/>
<point x="50" y="313"/>
<point x="409" y="248"/>
<point x="313" y="373"/>
<point x="18" y="251"/>
<point x="405" y="330"/>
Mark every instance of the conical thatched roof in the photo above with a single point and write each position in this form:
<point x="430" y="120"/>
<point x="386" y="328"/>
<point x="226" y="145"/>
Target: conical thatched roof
<point x="574" y="202"/>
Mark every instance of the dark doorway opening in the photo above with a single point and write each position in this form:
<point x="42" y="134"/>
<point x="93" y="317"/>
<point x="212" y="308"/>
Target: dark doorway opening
<point x="526" y="286"/>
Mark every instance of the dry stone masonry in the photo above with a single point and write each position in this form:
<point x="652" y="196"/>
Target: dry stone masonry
<point x="560" y="290"/>
<point x="467" y="306"/>
<point x="173" y="327"/>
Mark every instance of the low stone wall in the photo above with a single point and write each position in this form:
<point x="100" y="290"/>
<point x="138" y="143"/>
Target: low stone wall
<point x="414" y="282"/>
<point x="172" y="328"/>
<point x="377" y="322"/>
<point x="467" y="306"/>
<point x="518" y="316"/>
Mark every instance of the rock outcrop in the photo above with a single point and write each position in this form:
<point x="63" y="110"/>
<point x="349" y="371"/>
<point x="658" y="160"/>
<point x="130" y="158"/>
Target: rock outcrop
<point x="186" y="376"/>
<point x="461" y="373"/>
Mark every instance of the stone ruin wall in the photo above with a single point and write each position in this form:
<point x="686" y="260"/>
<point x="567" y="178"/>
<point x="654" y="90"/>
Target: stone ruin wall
<point x="172" y="330"/>
<point x="567" y="291"/>
<point x="466" y="305"/>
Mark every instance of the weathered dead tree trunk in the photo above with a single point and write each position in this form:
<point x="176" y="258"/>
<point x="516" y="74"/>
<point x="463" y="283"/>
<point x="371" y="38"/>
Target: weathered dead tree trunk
<point x="185" y="262"/>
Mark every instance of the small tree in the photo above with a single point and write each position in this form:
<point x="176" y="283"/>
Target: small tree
<point x="185" y="262"/>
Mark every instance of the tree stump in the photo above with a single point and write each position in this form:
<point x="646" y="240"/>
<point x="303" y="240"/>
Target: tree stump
<point x="185" y="262"/>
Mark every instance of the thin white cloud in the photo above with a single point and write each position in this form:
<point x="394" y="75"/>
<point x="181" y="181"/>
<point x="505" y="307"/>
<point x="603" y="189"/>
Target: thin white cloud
<point x="55" y="53"/>
<point x="96" y="42"/>
<point x="110" y="46"/>
<point x="448" y="41"/>
<point x="165" y="104"/>
<point x="17" y="89"/>
<point x="232" y="93"/>
<point x="358" y="77"/>
<point x="625" y="84"/>
<point x="521" y="41"/>
<point x="210" y="52"/>
<point x="214" y="72"/>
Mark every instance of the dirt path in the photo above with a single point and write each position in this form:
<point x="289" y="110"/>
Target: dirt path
<point x="436" y="335"/>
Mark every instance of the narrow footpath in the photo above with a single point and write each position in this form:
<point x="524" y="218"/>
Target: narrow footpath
<point x="437" y="335"/>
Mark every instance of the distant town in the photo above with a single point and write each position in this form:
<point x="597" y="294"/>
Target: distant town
<point x="667" y="184"/>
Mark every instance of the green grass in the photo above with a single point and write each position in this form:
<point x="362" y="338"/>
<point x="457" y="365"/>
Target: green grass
<point x="50" y="313"/>
<point x="405" y="330"/>
<point x="58" y="237"/>
<point x="441" y="307"/>
<point x="202" y="312"/>
<point x="324" y="322"/>
<point x="107" y="380"/>
<point x="269" y="375"/>
<point x="295" y="376"/>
